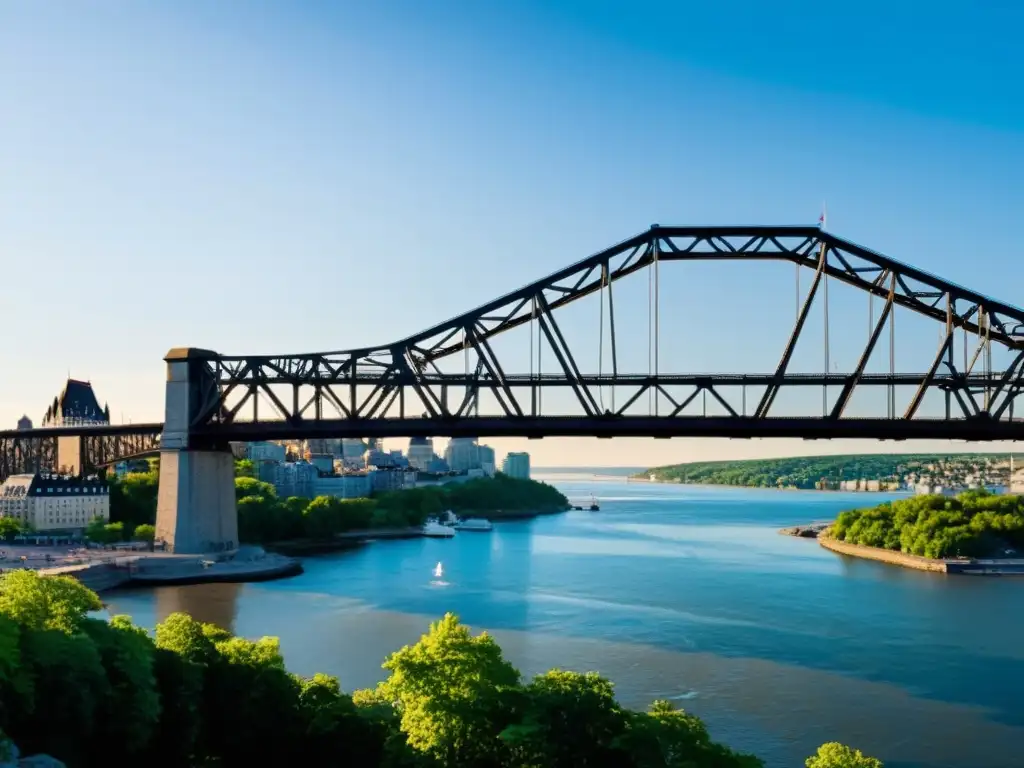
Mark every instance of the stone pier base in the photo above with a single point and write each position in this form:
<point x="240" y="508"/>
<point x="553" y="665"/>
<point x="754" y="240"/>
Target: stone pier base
<point x="196" y="511"/>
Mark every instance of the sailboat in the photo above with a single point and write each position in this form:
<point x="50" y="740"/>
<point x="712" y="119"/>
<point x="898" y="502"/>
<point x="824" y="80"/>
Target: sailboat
<point x="439" y="571"/>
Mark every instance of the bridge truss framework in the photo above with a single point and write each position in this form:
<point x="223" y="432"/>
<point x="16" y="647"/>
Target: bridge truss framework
<point x="413" y="387"/>
<point x="402" y="389"/>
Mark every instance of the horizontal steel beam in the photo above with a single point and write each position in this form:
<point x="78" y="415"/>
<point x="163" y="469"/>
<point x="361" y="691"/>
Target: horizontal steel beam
<point x="625" y="426"/>
<point x="608" y="380"/>
<point x="100" y="430"/>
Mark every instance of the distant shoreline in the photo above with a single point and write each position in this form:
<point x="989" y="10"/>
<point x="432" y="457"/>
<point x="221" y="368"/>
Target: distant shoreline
<point x="349" y="540"/>
<point x="754" y="487"/>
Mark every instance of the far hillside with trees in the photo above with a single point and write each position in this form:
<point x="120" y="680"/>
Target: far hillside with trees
<point x="826" y="472"/>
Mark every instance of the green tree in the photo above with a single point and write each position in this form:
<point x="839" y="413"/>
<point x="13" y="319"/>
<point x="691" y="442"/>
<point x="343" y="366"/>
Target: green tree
<point x="245" y="468"/>
<point x="666" y="737"/>
<point x="100" y="531"/>
<point x="568" y="719"/>
<point x="133" y="498"/>
<point x="452" y="691"/>
<point x="248" y="486"/>
<point x="974" y="524"/>
<point x="836" y="755"/>
<point x="332" y="725"/>
<point x="69" y="685"/>
<point x="129" y="711"/>
<point x="16" y="686"/>
<point x="185" y="637"/>
<point x="46" y="602"/>
<point x="145" y="533"/>
<point x="179" y="683"/>
<point x="247" y="683"/>
<point x="9" y="528"/>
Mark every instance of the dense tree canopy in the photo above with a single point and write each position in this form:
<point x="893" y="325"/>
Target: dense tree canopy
<point x="133" y="498"/>
<point x="95" y="693"/>
<point x="974" y="524"/>
<point x="817" y="471"/>
<point x="264" y="518"/>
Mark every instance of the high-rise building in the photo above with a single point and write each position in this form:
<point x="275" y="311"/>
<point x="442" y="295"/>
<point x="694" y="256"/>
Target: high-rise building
<point x="352" y="449"/>
<point x="487" y="464"/>
<point x="517" y="465"/>
<point x="462" y="454"/>
<point x="421" y="453"/>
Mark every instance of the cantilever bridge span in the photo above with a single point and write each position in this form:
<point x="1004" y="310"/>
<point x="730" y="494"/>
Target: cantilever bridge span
<point x="931" y="359"/>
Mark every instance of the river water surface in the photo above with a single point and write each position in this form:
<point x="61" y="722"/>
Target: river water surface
<point x="682" y="593"/>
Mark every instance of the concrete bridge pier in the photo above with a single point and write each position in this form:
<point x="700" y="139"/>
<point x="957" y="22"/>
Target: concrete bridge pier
<point x="196" y="510"/>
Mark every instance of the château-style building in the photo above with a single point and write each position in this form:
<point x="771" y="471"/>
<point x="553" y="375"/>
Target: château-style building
<point x="76" y="406"/>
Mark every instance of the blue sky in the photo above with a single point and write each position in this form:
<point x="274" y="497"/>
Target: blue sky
<point x="278" y="177"/>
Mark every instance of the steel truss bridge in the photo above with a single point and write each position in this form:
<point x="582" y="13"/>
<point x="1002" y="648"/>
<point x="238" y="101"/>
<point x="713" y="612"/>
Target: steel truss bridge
<point x="92" y="447"/>
<point x="435" y="382"/>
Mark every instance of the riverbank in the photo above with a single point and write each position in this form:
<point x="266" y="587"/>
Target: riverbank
<point x="249" y="564"/>
<point x="355" y="539"/>
<point x="812" y="531"/>
<point x="965" y="566"/>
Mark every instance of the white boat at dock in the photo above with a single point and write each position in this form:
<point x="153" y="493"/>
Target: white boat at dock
<point x="433" y="529"/>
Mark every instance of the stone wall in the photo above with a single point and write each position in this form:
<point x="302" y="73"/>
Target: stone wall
<point x="883" y="555"/>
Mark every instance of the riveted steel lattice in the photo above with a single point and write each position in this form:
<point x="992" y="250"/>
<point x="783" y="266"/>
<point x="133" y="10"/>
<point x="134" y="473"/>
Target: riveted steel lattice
<point x="413" y="387"/>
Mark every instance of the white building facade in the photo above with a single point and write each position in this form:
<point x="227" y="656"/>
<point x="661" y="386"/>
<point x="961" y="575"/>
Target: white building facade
<point x="50" y="502"/>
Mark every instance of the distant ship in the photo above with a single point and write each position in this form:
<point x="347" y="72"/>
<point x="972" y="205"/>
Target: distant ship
<point x="593" y="504"/>
<point x="474" y="524"/>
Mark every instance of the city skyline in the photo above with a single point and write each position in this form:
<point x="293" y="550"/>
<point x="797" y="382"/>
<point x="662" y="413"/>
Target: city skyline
<point x="152" y="190"/>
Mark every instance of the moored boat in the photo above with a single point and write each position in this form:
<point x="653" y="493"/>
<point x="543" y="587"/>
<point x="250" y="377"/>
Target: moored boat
<point x="474" y="524"/>
<point x="433" y="529"/>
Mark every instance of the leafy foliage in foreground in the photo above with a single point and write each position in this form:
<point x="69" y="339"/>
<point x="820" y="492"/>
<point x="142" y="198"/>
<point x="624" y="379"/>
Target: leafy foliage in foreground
<point x="974" y="524"/>
<point x="94" y="693"/>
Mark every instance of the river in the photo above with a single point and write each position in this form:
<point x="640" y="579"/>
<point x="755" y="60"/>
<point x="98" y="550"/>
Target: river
<point x="684" y="593"/>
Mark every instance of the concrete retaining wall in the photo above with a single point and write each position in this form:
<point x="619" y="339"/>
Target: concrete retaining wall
<point x="98" y="577"/>
<point x="883" y="555"/>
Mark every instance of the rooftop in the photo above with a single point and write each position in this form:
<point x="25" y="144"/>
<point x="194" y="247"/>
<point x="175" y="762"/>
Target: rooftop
<point x="77" y="402"/>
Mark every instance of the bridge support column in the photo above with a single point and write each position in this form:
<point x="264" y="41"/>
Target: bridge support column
<point x="196" y="510"/>
<point x="69" y="454"/>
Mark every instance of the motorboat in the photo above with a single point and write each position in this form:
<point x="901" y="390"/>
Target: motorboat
<point x="435" y="530"/>
<point x="474" y="524"/>
<point x="593" y="504"/>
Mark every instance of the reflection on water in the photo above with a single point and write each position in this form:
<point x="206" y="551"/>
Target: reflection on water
<point x="209" y="603"/>
<point x="679" y="593"/>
